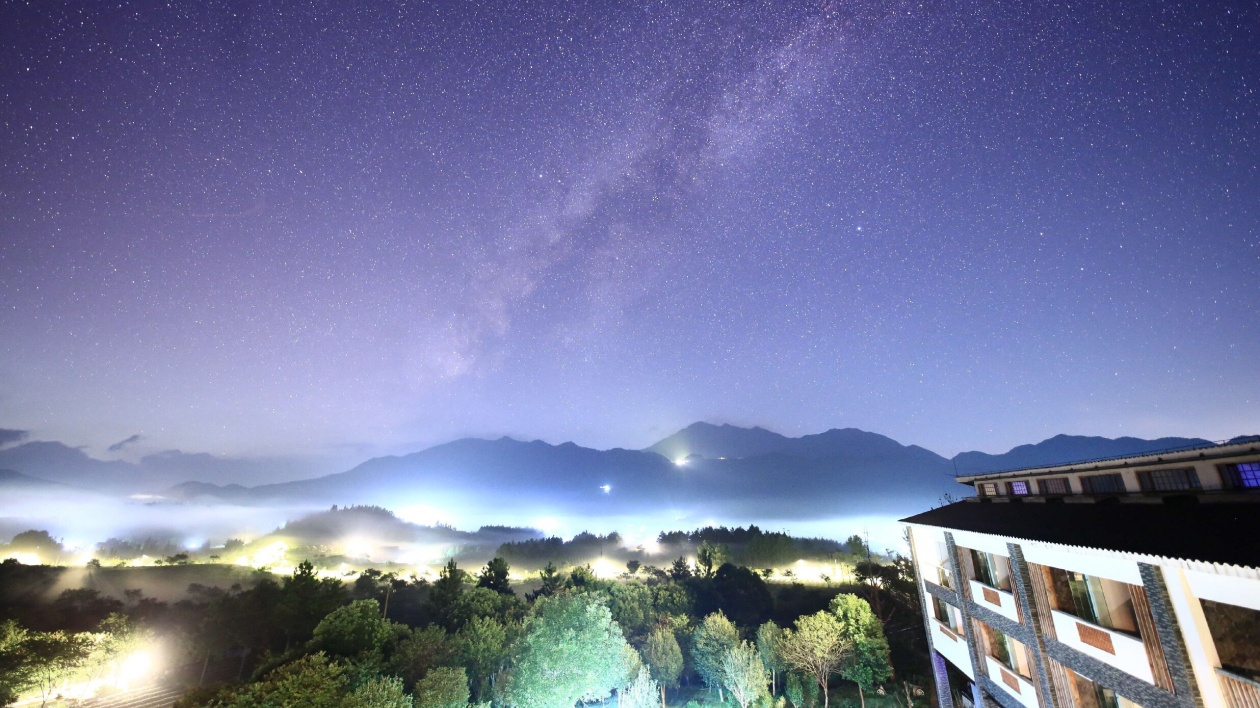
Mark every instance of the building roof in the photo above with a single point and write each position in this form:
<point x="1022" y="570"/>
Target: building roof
<point x="1249" y="445"/>
<point x="1217" y="532"/>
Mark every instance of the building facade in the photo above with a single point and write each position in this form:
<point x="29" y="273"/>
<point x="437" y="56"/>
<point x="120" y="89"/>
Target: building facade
<point x="1108" y="584"/>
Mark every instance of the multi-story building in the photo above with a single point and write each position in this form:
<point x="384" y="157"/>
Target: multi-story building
<point x="1105" y="584"/>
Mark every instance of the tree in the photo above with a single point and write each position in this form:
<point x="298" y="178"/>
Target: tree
<point x="856" y="546"/>
<point x="304" y="600"/>
<point x="312" y="681"/>
<point x="710" y="557"/>
<point x="15" y="671"/>
<point x="447" y="590"/>
<point x="632" y="567"/>
<point x="680" y="569"/>
<point x="52" y="657"/>
<point x="801" y="690"/>
<point x="419" y="651"/>
<point x="571" y="650"/>
<point x="743" y="674"/>
<point x="815" y="648"/>
<point x="40" y="543"/>
<point x="712" y="639"/>
<point x="664" y="659"/>
<point x="481" y="645"/>
<point x="443" y="687"/>
<point x="866" y="662"/>
<point x="352" y="630"/>
<point x="379" y="692"/>
<point x="632" y="608"/>
<point x="641" y="693"/>
<point x="742" y="595"/>
<point x="769" y="636"/>
<point x="552" y="582"/>
<point x="495" y="576"/>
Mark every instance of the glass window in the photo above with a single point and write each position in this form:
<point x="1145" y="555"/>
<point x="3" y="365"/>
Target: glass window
<point x="1058" y="485"/>
<point x="1236" y="633"/>
<point x="1106" y="603"/>
<point x="1018" y="488"/>
<point x="992" y="570"/>
<point x="1103" y="484"/>
<point x="1244" y="475"/>
<point x="989" y="489"/>
<point x="1168" y="480"/>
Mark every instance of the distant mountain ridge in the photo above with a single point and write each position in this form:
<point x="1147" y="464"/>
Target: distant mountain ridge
<point x="702" y="471"/>
<point x="1064" y="449"/>
<point x="715" y="441"/>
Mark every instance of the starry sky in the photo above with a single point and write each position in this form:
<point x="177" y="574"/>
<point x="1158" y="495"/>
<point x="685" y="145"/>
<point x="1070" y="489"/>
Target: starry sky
<point x="342" y="229"/>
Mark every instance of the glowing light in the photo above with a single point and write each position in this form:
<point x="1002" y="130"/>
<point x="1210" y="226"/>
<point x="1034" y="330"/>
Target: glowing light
<point x="681" y="462"/>
<point x="358" y="548"/>
<point x="607" y="488"/>
<point x="604" y="569"/>
<point x="651" y="547"/>
<point x="548" y="526"/>
<point x="136" y="668"/>
<point x="24" y="558"/>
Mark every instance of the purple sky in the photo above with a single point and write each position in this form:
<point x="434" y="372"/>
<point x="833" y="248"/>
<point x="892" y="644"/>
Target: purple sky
<point x="297" y="228"/>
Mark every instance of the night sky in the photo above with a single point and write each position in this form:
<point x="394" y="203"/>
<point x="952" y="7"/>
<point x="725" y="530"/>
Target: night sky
<point x="301" y="228"/>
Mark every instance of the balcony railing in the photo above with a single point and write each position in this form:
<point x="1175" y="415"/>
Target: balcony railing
<point x="1240" y="691"/>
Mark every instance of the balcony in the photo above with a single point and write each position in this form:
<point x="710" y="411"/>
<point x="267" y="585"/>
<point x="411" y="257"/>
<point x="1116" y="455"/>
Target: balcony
<point x="951" y="645"/>
<point x="1016" y="685"/>
<point x="1109" y="646"/>
<point x="999" y="601"/>
<point x="1240" y="691"/>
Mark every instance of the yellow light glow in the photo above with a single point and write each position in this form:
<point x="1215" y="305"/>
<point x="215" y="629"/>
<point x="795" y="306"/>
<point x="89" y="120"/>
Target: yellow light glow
<point x="604" y="569"/>
<point x="357" y="548"/>
<point x="24" y="558"/>
<point x="136" y="668"/>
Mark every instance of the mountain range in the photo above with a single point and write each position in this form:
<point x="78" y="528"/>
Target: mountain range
<point x="701" y="471"/>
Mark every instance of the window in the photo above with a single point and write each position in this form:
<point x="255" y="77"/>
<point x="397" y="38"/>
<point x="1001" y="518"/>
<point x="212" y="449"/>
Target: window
<point x="1236" y="633"/>
<point x="989" y="489"/>
<point x="1088" y="694"/>
<point x="945" y="614"/>
<point x="1106" y="603"/>
<point x="1018" y="488"/>
<point x="1168" y="480"/>
<point x="1058" y="485"/>
<point x="1103" y="484"/>
<point x="992" y="570"/>
<point x="1006" y="650"/>
<point x="1244" y="475"/>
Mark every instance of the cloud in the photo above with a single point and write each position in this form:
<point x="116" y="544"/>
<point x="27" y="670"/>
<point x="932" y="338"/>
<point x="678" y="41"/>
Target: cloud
<point x="124" y="443"/>
<point x="8" y="437"/>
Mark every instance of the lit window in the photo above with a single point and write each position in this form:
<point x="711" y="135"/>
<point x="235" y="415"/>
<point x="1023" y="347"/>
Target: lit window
<point x="1244" y="475"/>
<point x="1019" y="488"/>
<point x="989" y="489"/>
<point x="1168" y="480"/>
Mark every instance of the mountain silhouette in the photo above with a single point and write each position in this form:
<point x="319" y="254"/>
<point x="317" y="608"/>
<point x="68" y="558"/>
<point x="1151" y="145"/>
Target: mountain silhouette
<point x="1064" y="449"/>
